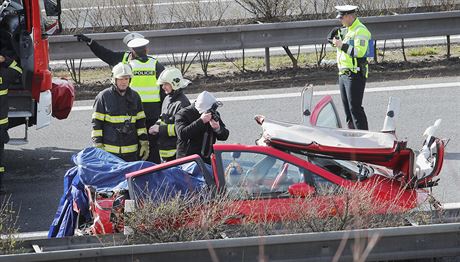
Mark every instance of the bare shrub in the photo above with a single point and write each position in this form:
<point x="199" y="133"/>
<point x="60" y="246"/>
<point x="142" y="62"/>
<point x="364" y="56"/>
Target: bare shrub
<point x="75" y="17"/>
<point x="179" y="218"/>
<point x="352" y="208"/>
<point x="198" y="14"/>
<point x="8" y="227"/>
<point x="181" y="61"/>
<point x="204" y="216"/>
<point x="74" y="69"/>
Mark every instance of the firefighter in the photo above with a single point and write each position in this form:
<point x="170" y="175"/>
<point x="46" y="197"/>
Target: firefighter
<point x="198" y="126"/>
<point x="119" y="119"/>
<point x="145" y="71"/>
<point x="9" y="73"/>
<point x="352" y="42"/>
<point x="172" y="82"/>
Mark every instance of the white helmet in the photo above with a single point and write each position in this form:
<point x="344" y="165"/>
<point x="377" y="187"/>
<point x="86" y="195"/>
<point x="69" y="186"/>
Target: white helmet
<point x="204" y="101"/>
<point x="173" y="76"/>
<point x="131" y="36"/>
<point x="121" y="70"/>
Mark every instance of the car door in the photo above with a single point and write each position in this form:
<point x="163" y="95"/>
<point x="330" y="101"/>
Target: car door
<point x="324" y="113"/>
<point x="263" y="181"/>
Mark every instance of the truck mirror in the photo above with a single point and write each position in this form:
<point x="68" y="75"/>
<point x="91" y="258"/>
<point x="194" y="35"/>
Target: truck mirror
<point x="52" y="7"/>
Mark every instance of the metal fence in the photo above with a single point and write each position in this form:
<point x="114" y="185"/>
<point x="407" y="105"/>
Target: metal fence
<point x="402" y="243"/>
<point x="262" y="35"/>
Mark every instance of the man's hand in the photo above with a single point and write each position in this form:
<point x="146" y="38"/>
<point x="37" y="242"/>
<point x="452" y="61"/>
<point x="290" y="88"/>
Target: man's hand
<point x="333" y="34"/>
<point x="337" y="43"/>
<point x="144" y="150"/>
<point x="2" y="59"/>
<point x="206" y="117"/>
<point x="214" y="124"/>
<point x="153" y="130"/>
<point x="99" y="145"/>
<point x="83" y="38"/>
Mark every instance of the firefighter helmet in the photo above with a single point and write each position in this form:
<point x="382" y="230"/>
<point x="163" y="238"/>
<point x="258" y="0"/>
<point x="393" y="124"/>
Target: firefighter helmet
<point x="173" y="76"/>
<point x="121" y="70"/>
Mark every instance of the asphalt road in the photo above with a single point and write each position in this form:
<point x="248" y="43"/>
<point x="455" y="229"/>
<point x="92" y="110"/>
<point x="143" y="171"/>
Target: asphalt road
<point x="36" y="170"/>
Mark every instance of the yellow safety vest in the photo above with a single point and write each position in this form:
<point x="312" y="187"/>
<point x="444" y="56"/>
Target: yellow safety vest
<point x="144" y="80"/>
<point x="357" y="36"/>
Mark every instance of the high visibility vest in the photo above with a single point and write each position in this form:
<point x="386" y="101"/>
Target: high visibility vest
<point x="144" y="80"/>
<point x="357" y="36"/>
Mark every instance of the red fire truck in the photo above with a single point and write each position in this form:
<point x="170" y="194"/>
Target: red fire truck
<point x="36" y="97"/>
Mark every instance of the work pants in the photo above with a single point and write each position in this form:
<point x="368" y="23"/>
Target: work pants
<point x="352" y="91"/>
<point x="154" y="155"/>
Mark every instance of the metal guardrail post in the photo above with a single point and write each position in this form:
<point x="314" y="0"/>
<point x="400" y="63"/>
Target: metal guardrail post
<point x="267" y="59"/>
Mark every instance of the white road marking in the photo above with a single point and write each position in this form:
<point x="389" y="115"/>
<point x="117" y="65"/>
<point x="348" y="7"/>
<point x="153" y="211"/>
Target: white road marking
<point x="317" y="93"/>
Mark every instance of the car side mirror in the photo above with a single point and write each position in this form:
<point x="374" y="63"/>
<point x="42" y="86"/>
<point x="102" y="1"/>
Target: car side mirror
<point x="301" y="189"/>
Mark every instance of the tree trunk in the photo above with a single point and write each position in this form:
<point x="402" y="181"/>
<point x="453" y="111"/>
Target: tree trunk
<point x="291" y="56"/>
<point x="403" y="50"/>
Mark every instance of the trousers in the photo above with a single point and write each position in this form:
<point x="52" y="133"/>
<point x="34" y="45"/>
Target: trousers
<point x="352" y="92"/>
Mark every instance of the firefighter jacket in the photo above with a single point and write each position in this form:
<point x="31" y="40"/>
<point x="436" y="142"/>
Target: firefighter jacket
<point x="145" y="70"/>
<point x="118" y="122"/>
<point x="352" y="56"/>
<point x="194" y="136"/>
<point x="9" y="73"/>
<point x="167" y="138"/>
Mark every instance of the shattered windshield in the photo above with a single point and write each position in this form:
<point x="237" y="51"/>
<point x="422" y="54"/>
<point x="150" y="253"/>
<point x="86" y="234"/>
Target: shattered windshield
<point x="350" y="170"/>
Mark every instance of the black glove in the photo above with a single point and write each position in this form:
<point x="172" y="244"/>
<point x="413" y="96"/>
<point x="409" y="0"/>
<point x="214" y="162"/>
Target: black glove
<point x="82" y="37"/>
<point x="334" y="33"/>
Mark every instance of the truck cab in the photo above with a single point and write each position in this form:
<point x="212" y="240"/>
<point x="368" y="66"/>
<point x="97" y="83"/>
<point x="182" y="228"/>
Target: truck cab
<point x="25" y="31"/>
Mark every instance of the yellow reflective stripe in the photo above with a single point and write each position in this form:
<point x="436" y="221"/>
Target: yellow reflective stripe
<point x="95" y="133"/>
<point x="113" y="119"/>
<point x="3" y="92"/>
<point x="98" y="116"/>
<point x="14" y="65"/>
<point x="2" y="169"/>
<point x="141" y="131"/>
<point x="150" y="98"/>
<point x="168" y="153"/>
<point x="129" y="149"/>
<point x="124" y="60"/>
<point x="119" y="119"/>
<point x="140" y="115"/>
<point x="171" y="130"/>
<point x="4" y="121"/>
<point x="120" y="149"/>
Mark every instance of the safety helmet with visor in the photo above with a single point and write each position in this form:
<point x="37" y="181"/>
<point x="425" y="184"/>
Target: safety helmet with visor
<point x="120" y="71"/>
<point x="173" y="76"/>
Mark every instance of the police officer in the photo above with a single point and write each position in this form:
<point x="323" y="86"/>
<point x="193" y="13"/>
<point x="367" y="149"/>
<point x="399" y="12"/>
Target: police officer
<point x="119" y="119"/>
<point x="352" y="42"/>
<point x="198" y="126"/>
<point x="145" y="70"/>
<point x="9" y="72"/>
<point x="172" y="82"/>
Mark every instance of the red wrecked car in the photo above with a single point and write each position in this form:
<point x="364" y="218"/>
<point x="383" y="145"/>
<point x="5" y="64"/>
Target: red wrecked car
<point x="300" y="160"/>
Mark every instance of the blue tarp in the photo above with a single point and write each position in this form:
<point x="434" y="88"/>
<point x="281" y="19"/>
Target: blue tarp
<point x="106" y="172"/>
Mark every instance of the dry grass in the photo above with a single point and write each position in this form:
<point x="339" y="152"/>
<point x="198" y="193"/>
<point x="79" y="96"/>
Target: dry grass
<point x="8" y="227"/>
<point x="198" y="217"/>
